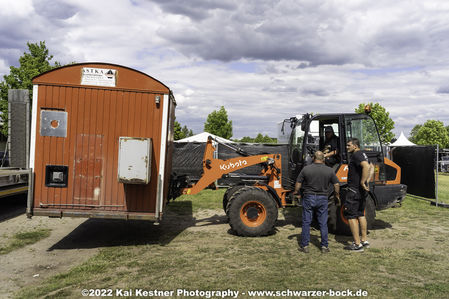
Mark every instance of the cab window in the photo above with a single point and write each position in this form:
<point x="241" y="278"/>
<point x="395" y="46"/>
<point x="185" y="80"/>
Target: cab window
<point x="296" y="144"/>
<point x="364" y="129"/>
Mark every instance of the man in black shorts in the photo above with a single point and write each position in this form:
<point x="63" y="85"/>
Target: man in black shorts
<point x="358" y="176"/>
<point x="315" y="180"/>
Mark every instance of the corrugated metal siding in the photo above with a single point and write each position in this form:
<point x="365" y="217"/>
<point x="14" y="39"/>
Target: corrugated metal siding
<point x="97" y="117"/>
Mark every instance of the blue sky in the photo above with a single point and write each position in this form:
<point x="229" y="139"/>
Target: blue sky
<point x="263" y="60"/>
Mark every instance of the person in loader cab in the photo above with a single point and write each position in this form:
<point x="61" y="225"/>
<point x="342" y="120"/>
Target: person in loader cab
<point x="315" y="180"/>
<point x="358" y="177"/>
<point x="330" y="147"/>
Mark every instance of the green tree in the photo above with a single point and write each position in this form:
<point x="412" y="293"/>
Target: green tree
<point x="217" y="123"/>
<point x="414" y="132"/>
<point x="186" y="131"/>
<point x="32" y="63"/>
<point x="432" y="132"/>
<point x="264" y="139"/>
<point x="181" y="132"/>
<point x="246" y="139"/>
<point x="259" y="139"/>
<point x="384" y="123"/>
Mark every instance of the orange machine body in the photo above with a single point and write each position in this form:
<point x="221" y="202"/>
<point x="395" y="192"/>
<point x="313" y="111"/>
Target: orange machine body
<point x="79" y="114"/>
<point x="214" y="169"/>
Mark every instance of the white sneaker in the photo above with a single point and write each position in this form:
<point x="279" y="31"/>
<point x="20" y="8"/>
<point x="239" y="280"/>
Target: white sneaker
<point x="365" y="244"/>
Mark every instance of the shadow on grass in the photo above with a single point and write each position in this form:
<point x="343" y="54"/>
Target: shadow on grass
<point x="291" y="216"/>
<point x="314" y="240"/>
<point x="95" y="233"/>
<point x="12" y="206"/>
<point x="377" y="225"/>
<point x="380" y="224"/>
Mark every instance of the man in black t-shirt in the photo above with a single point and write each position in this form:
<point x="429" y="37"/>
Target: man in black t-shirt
<point x="355" y="200"/>
<point x="314" y="180"/>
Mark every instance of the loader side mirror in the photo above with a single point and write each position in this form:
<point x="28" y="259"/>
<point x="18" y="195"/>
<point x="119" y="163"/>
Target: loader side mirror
<point x="304" y="124"/>
<point x="305" y="121"/>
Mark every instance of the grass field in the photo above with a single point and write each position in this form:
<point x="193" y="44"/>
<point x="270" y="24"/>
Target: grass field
<point x="22" y="239"/>
<point x="193" y="249"/>
<point x="443" y="187"/>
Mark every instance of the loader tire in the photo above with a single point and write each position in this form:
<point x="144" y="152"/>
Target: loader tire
<point x="332" y="216"/>
<point x="252" y="212"/>
<point x="342" y="223"/>
<point x="228" y="194"/>
<point x="370" y="212"/>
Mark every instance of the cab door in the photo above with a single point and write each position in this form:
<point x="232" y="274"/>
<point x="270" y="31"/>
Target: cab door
<point x="363" y="128"/>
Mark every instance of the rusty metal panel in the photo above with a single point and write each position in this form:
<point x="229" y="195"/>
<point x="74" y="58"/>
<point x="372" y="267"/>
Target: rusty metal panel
<point x="53" y="123"/>
<point x="88" y="169"/>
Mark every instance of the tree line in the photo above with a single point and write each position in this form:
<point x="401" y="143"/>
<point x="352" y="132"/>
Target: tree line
<point x="432" y="132"/>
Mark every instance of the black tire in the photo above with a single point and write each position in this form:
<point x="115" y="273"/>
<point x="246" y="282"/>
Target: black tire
<point x="342" y="226"/>
<point x="252" y="212"/>
<point x="228" y="194"/>
<point x="332" y="216"/>
<point x="370" y="211"/>
<point x="342" y="223"/>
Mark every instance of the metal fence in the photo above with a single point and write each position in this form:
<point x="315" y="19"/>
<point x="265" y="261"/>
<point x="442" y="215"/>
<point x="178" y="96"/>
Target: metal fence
<point x="441" y="170"/>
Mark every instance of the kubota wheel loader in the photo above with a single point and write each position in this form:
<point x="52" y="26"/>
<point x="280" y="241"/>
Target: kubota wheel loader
<point x="252" y="204"/>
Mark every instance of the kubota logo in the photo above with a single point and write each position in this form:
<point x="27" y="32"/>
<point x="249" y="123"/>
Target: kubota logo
<point x="233" y="165"/>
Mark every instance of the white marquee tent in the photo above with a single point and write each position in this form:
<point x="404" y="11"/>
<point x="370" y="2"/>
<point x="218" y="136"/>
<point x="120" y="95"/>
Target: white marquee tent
<point x="402" y="141"/>
<point x="202" y="137"/>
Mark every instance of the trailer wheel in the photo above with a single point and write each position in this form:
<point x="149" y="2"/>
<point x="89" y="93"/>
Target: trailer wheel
<point x="342" y="225"/>
<point x="252" y="212"/>
<point x="228" y="194"/>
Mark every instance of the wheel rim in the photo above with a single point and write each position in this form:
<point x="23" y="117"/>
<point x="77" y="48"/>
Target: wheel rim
<point x="342" y="214"/>
<point x="253" y="213"/>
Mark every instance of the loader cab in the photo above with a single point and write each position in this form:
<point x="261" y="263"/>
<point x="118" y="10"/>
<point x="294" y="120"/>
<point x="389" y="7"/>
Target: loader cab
<point x="308" y="135"/>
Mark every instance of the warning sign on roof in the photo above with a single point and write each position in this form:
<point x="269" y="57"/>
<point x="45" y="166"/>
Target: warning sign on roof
<point x="98" y="77"/>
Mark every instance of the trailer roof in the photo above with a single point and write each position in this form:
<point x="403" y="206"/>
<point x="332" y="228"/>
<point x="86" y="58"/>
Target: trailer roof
<point x="125" y="77"/>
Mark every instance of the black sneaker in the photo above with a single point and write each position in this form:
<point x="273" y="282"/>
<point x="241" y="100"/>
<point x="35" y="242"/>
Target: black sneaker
<point x="325" y="249"/>
<point x="304" y="249"/>
<point x="365" y="244"/>
<point x="355" y="248"/>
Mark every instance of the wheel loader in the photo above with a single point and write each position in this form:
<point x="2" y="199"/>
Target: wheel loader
<point x="252" y="204"/>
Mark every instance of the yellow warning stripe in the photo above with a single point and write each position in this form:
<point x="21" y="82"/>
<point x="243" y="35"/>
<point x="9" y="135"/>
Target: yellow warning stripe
<point x="12" y="191"/>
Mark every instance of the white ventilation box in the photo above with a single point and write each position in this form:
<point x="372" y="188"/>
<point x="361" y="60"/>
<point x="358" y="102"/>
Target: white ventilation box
<point x="134" y="160"/>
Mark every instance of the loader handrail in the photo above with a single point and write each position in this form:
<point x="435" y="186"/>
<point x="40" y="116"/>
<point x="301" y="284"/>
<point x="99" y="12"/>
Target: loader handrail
<point x="238" y="150"/>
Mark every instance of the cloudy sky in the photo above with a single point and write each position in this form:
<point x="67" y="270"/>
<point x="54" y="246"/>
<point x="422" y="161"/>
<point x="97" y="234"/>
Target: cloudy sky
<point x="263" y="60"/>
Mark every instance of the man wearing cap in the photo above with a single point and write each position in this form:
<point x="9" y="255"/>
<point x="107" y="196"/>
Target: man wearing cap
<point x="330" y="147"/>
<point x="315" y="180"/>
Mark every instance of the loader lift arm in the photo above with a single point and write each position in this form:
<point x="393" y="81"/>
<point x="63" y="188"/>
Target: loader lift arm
<point x="214" y="169"/>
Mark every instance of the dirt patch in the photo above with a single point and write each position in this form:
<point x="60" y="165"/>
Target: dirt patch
<point x="74" y="240"/>
<point x="33" y="263"/>
<point x="401" y="244"/>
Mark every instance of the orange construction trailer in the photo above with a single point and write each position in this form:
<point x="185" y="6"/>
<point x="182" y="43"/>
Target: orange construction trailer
<point x="101" y="143"/>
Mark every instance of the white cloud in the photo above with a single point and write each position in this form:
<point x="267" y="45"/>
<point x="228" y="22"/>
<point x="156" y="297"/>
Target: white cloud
<point x="263" y="60"/>
<point x="3" y="67"/>
<point x="16" y="8"/>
